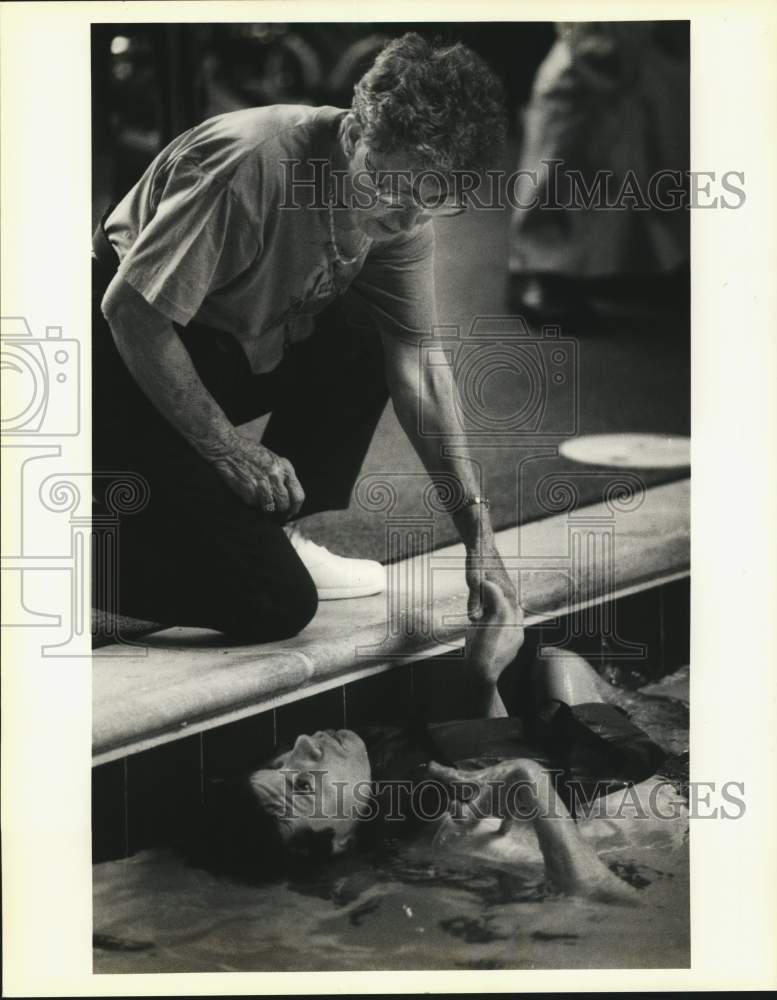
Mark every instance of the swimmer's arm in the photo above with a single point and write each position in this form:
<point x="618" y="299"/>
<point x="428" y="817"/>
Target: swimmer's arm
<point x="571" y="864"/>
<point x="160" y="364"/>
<point x="482" y="699"/>
<point x="520" y="791"/>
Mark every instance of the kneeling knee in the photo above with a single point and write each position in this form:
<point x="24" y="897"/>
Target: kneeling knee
<point x="278" y="614"/>
<point x="294" y="607"/>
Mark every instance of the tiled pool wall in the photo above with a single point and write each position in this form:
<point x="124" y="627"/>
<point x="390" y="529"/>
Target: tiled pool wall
<point x="137" y="800"/>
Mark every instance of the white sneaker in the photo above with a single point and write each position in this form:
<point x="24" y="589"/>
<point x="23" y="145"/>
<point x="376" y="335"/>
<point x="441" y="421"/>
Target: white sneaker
<point x="335" y="576"/>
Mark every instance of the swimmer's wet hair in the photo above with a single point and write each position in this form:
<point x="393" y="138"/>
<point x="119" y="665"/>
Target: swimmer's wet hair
<point x="440" y="102"/>
<point x="238" y="837"/>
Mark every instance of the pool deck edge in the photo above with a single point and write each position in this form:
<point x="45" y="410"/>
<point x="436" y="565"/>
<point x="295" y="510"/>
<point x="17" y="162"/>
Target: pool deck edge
<point x="182" y="681"/>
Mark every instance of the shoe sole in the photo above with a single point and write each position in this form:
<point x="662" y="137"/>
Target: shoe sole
<point x="342" y="593"/>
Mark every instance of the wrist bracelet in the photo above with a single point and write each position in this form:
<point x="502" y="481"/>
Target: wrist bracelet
<point x="471" y="501"/>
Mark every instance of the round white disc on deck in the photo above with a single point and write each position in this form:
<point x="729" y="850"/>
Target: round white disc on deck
<point x="630" y="451"/>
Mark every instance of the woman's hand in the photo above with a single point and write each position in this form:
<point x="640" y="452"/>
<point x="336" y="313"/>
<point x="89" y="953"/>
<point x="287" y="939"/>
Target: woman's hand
<point x="484" y="565"/>
<point x="259" y="476"/>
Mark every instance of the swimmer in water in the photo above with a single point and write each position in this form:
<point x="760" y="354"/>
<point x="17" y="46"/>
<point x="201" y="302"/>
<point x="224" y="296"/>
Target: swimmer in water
<point x="551" y="787"/>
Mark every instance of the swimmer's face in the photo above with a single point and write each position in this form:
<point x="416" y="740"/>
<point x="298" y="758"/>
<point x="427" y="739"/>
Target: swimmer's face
<point x="322" y="783"/>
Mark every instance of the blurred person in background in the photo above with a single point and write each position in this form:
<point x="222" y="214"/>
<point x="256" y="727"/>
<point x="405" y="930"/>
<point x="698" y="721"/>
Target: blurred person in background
<point x="609" y="96"/>
<point x="213" y="304"/>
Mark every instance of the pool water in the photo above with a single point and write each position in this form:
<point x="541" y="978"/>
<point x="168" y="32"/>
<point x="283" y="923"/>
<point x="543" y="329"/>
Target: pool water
<point x="403" y="905"/>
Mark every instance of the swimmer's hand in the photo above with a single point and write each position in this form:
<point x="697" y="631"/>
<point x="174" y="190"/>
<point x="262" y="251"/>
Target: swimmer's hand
<point x="258" y="476"/>
<point x="502" y="790"/>
<point x="493" y="641"/>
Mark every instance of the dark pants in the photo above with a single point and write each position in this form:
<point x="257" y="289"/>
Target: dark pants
<point x="196" y="554"/>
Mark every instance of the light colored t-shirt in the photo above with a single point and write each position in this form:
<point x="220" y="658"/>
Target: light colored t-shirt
<point x="202" y="236"/>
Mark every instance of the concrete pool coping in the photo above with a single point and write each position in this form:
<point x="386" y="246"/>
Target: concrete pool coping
<point x="181" y="681"/>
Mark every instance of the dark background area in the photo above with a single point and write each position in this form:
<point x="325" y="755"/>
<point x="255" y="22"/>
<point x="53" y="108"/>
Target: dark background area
<point x="150" y="82"/>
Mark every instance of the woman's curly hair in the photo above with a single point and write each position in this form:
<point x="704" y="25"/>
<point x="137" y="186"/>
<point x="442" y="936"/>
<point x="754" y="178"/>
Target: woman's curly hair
<point x="439" y="102"/>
